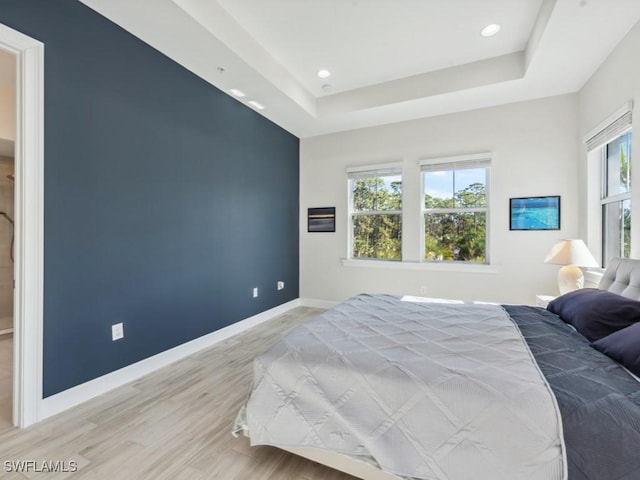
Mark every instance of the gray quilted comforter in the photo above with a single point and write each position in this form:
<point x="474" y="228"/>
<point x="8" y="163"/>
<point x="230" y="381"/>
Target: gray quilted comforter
<point x="599" y="401"/>
<point x="428" y="390"/>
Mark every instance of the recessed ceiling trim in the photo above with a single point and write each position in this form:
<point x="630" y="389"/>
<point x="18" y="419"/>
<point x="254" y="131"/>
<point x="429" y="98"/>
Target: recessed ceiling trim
<point x="546" y="10"/>
<point x="464" y="77"/>
<point x="560" y="33"/>
<point x="224" y="27"/>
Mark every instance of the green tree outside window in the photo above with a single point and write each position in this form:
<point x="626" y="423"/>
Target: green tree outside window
<point x="377" y="217"/>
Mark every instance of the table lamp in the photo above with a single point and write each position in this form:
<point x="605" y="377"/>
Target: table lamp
<point x="571" y="253"/>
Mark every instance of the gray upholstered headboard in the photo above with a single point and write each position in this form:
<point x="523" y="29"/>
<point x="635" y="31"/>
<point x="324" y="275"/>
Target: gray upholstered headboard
<point x="622" y="276"/>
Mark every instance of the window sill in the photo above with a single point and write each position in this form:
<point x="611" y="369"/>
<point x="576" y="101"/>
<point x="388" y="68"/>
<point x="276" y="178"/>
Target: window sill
<point x="593" y="276"/>
<point x="429" y="266"/>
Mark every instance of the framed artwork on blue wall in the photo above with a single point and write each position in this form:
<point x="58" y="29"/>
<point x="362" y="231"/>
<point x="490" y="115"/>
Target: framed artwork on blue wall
<point x="534" y="213"/>
<point x="321" y="219"/>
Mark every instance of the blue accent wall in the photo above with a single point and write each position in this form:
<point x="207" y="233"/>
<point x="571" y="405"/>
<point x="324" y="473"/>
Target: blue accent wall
<point x="166" y="201"/>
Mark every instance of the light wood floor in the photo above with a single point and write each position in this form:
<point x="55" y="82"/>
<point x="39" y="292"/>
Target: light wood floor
<point x="172" y="424"/>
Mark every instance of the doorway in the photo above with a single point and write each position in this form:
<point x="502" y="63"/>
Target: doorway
<point x="7" y="216"/>
<point x="26" y="381"/>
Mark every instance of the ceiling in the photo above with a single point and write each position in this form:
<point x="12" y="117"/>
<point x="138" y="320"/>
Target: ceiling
<point x="366" y="42"/>
<point x="391" y="60"/>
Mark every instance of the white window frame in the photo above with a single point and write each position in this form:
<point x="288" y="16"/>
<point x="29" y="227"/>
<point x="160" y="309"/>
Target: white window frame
<point x="596" y="141"/>
<point x="460" y="162"/>
<point x="371" y="171"/>
<point x="609" y="199"/>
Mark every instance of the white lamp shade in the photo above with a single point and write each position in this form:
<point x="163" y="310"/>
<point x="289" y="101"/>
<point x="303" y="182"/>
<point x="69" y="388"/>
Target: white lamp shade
<point x="572" y="254"/>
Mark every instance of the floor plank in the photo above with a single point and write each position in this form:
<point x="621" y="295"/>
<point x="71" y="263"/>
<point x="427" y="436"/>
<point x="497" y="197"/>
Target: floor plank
<point x="172" y="424"/>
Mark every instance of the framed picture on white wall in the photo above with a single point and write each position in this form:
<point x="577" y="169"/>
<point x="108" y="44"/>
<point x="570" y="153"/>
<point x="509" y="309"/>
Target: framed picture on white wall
<point x="321" y="219"/>
<point x="534" y="213"/>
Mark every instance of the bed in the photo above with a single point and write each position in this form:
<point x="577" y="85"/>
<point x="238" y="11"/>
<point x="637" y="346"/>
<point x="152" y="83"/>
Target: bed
<point x="386" y="387"/>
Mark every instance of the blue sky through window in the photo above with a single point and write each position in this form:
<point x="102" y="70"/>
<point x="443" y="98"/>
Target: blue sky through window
<point x="444" y="184"/>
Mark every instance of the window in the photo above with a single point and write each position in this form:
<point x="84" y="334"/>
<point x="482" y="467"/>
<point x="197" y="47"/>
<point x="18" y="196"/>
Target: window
<point x="455" y="209"/>
<point x="610" y="150"/>
<point x="616" y="198"/>
<point x="376" y="212"/>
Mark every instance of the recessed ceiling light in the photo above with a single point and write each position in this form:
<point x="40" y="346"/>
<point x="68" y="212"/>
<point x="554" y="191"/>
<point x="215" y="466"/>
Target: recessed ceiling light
<point x="323" y="73"/>
<point x="237" y="93"/>
<point x="490" y="30"/>
<point x="256" y="105"/>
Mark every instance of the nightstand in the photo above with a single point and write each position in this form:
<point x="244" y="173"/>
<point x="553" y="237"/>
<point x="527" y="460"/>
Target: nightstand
<point x="543" y="300"/>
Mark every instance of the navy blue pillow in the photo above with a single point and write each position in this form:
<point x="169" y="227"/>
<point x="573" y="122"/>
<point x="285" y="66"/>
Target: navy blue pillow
<point x="623" y="346"/>
<point x="596" y="313"/>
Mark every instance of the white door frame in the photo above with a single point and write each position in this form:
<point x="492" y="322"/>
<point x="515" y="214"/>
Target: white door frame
<point x="29" y="224"/>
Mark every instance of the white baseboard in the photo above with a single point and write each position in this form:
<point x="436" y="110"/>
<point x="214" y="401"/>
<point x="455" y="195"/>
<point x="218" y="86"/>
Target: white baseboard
<point x="313" y="303"/>
<point x="76" y="395"/>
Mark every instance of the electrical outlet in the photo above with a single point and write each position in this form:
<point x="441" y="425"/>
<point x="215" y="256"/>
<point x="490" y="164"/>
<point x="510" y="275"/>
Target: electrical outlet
<point x="423" y="289"/>
<point x="117" y="331"/>
<point x="255" y="292"/>
<point x="280" y="285"/>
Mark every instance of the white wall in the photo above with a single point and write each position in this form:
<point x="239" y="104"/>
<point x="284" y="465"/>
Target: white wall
<point x="7" y="96"/>
<point x="534" y="153"/>
<point x="615" y="83"/>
